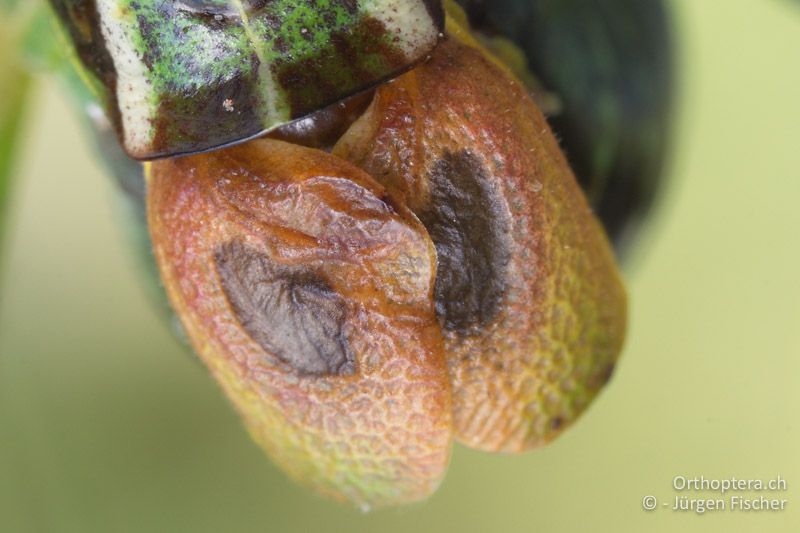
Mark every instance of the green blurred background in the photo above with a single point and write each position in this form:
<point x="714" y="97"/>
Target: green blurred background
<point x="106" y="424"/>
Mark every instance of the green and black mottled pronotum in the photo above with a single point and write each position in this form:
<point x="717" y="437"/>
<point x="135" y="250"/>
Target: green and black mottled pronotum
<point x="192" y="75"/>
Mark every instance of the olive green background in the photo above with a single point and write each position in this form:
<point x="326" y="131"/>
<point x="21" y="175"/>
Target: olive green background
<point x="107" y="425"/>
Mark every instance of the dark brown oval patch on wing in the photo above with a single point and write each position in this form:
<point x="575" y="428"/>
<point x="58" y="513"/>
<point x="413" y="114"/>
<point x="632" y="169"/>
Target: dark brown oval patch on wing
<point x="290" y="311"/>
<point x="467" y="221"/>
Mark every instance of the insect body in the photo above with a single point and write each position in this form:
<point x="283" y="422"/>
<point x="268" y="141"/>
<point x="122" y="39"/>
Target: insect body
<point x="404" y="260"/>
